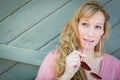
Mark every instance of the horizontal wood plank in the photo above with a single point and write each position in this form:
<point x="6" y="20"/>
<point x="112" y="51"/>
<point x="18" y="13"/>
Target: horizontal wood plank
<point x="49" y="46"/>
<point x="26" y="17"/>
<point x="113" y="9"/>
<point x="5" y="65"/>
<point x="47" y="29"/>
<point x="9" y="7"/>
<point x="21" y="55"/>
<point x="117" y="53"/>
<point x="20" y="72"/>
<point x="112" y="43"/>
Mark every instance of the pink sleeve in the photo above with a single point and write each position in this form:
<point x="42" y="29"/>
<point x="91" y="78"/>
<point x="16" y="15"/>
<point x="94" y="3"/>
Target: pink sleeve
<point x="47" y="68"/>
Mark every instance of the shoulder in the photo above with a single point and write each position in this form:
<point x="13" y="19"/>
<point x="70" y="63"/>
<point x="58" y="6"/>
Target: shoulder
<point x="111" y="58"/>
<point x="47" y="69"/>
<point x="115" y="64"/>
<point x="110" y="66"/>
<point x="51" y="57"/>
<point x="52" y="54"/>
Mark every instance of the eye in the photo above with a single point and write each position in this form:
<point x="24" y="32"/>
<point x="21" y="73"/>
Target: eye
<point x="98" y="27"/>
<point x="84" y="24"/>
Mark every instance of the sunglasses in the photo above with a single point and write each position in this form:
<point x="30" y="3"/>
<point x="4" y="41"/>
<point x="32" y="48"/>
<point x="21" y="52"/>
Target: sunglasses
<point x="85" y="66"/>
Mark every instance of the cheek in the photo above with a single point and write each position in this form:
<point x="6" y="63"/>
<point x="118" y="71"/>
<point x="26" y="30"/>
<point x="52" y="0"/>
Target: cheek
<point x="81" y="31"/>
<point x="98" y="37"/>
<point x="100" y="34"/>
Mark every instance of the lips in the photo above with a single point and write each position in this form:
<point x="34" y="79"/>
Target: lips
<point x="88" y="40"/>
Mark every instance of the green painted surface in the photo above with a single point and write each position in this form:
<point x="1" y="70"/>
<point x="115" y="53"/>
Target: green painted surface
<point x="17" y="72"/>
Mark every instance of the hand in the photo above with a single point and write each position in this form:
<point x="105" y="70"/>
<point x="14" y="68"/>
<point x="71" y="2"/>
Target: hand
<point x="73" y="63"/>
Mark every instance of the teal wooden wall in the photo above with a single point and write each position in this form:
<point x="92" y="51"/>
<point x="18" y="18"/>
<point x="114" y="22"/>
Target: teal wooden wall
<point x="29" y="29"/>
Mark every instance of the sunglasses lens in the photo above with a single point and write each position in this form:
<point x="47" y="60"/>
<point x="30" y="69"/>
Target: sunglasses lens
<point x="94" y="75"/>
<point x="85" y="66"/>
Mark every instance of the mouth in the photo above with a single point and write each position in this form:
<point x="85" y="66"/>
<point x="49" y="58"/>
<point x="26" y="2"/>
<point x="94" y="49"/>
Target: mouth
<point x="88" y="40"/>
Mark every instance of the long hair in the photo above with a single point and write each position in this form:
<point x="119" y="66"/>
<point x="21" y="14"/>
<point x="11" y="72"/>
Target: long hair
<point x="69" y="36"/>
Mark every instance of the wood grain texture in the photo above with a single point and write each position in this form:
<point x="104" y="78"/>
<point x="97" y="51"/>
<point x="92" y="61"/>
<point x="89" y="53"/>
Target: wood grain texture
<point x="5" y="65"/>
<point x="20" y="72"/>
<point x="20" y="54"/>
<point x="26" y="17"/>
<point x="8" y="8"/>
<point x="113" y="42"/>
<point x="113" y="9"/>
<point x="47" y="29"/>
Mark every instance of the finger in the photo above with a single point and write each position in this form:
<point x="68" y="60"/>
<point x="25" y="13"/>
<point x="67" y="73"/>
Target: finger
<point x="69" y="61"/>
<point x="73" y="58"/>
<point x="76" y="64"/>
<point x="75" y="55"/>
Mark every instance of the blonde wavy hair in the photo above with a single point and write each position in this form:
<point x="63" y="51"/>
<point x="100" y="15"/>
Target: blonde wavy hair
<point x="69" y="38"/>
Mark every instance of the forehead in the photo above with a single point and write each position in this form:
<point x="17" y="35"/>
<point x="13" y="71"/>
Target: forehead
<point x="97" y="17"/>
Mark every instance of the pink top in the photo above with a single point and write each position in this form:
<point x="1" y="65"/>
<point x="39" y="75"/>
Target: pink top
<point x="110" y="68"/>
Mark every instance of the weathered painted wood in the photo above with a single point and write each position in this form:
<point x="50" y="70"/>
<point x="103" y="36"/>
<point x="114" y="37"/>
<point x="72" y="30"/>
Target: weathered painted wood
<point x="20" y="72"/>
<point x="9" y="7"/>
<point x="21" y="55"/>
<point x="117" y="53"/>
<point x="5" y="65"/>
<point x="50" y="46"/>
<point x="47" y="29"/>
<point x="26" y="17"/>
<point x="104" y="1"/>
<point x="113" y="42"/>
<point x="114" y="11"/>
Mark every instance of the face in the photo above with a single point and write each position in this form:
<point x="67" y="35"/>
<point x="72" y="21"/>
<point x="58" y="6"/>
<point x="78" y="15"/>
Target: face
<point x="90" y="30"/>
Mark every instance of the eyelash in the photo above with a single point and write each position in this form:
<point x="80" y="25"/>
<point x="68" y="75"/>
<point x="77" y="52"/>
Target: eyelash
<point x="98" y="27"/>
<point x="86" y="25"/>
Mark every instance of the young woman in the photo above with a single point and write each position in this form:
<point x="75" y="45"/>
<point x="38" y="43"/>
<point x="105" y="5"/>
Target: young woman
<point x="80" y="56"/>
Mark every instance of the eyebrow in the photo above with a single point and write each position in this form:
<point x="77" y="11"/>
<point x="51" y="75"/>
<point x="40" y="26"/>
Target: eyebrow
<point x="88" y="21"/>
<point x="100" y="24"/>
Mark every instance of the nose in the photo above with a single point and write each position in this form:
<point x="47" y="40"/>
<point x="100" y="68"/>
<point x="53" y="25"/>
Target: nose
<point x="91" y="32"/>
